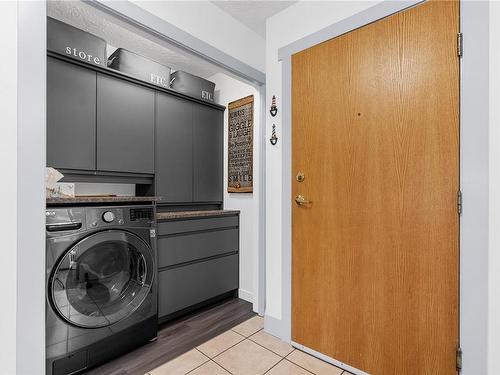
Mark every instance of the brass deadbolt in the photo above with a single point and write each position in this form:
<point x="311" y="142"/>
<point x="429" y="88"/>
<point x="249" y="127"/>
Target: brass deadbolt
<point x="300" y="177"/>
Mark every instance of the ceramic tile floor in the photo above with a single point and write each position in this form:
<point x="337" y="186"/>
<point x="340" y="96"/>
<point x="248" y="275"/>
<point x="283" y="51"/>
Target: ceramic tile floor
<point x="246" y="350"/>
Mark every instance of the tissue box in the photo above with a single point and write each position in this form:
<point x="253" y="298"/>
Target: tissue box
<point x="61" y="190"/>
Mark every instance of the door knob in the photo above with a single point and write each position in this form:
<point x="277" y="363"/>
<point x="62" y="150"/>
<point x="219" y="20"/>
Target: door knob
<point x="301" y="200"/>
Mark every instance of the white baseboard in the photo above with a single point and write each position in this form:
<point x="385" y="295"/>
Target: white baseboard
<point x="245" y="295"/>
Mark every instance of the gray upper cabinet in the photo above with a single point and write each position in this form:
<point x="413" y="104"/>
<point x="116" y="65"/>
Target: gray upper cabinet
<point x="174" y="149"/>
<point x="188" y="151"/>
<point x="207" y="154"/>
<point x="125" y="126"/>
<point x="101" y="122"/>
<point x="71" y="116"/>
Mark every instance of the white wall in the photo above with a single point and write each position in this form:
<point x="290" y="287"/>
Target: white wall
<point x="31" y="111"/>
<point x="8" y="153"/>
<point x="291" y="24"/>
<point x="209" y="23"/>
<point x="22" y="280"/>
<point x="228" y="90"/>
<point x="494" y="194"/>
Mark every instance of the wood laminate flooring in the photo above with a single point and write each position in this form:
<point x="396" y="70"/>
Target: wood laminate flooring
<point x="178" y="337"/>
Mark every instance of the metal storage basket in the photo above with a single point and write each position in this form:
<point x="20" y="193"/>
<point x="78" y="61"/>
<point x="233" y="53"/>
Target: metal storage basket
<point x="192" y="85"/>
<point x="75" y="43"/>
<point x="140" y="67"/>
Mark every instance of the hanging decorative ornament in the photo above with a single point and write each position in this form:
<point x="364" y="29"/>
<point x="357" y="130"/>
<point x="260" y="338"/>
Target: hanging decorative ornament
<point x="274" y="137"/>
<point x="274" y="109"/>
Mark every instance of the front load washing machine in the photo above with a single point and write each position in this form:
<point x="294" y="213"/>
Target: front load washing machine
<point x="101" y="284"/>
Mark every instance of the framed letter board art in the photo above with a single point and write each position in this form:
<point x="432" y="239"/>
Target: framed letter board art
<point x="240" y="146"/>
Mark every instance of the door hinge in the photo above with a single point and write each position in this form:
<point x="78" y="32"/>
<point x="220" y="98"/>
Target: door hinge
<point x="459" y="202"/>
<point x="460" y="44"/>
<point x="459" y="358"/>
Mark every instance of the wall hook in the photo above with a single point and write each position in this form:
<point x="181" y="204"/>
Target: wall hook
<point x="274" y="137"/>
<point x="274" y="109"/>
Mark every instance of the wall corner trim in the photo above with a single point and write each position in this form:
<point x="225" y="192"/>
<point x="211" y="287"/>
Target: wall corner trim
<point x="274" y="326"/>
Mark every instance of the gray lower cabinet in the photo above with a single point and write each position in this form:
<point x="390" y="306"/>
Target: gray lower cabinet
<point x="71" y="116"/>
<point x="184" y="287"/>
<point x="183" y="226"/>
<point x="197" y="261"/>
<point x="208" y="154"/>
<point x="125" y="126"/>
<point x="174" y="149"/>
<point x="190" y="247"/>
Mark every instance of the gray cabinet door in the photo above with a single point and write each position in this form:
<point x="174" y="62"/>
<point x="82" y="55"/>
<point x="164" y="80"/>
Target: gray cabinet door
<point x="174" y="149"/>
<point x="173" y="250"/>
<point x="71" y="116"/>
<point x="195" y="225"/>
<point x="125" y="126"/>
<point x="183" y="287"/>
<point x="207" y="151"/>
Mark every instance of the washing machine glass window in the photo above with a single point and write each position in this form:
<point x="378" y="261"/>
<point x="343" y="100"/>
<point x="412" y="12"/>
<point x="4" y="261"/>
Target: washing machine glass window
<point x="102" y="279"/>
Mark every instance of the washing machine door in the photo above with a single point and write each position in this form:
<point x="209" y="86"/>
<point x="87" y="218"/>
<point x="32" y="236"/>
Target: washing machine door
<point x="102" y="279"/>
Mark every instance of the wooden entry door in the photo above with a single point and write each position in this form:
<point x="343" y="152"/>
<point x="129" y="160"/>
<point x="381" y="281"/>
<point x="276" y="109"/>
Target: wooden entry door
<point x="375" y="254"/>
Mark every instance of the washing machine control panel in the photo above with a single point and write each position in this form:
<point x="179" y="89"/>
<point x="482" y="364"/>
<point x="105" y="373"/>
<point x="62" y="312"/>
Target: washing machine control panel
<point x="133" y="216"/>
<point x="104" y="217"/>
<point x="76" y="219"/>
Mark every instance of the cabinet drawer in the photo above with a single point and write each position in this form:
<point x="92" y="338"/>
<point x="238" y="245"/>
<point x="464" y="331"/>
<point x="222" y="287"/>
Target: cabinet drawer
<point x="183" y="287"/>
<point x="192" y="225"/>
<point x="187" y="247"/>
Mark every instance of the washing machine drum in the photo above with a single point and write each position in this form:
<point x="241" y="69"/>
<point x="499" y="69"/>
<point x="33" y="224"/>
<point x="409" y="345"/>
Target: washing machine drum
<point x="102" y="279"/>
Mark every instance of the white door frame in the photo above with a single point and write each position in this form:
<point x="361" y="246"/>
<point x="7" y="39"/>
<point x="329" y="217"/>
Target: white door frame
<point x="23" y="94"/>
<point x="474" y="146"/>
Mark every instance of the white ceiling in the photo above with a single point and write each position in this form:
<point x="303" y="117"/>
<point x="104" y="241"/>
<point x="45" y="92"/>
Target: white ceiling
<point x="120" y="34"/>
<point x="253" y="13"/>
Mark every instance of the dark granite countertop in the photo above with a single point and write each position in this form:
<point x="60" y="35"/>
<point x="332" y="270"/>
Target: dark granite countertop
<point x="97" y="199"/>
<point x="188" y="214"/>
